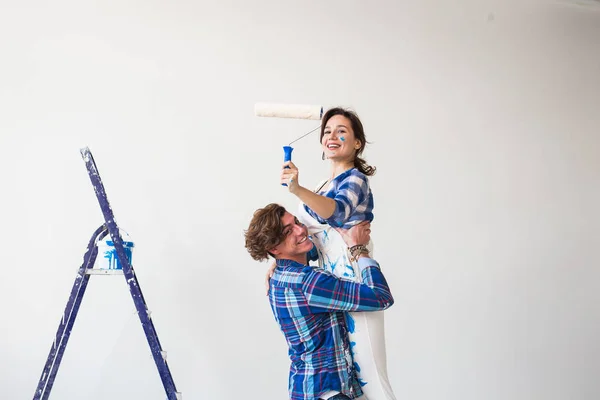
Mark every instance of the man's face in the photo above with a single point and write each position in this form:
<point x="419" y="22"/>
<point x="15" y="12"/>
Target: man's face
<point x="295" y="243"/>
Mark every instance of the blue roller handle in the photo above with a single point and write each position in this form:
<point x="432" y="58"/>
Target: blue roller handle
<point x="287" y="156"/>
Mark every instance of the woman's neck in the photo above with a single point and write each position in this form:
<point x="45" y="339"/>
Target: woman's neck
<point x="339" y="167"/>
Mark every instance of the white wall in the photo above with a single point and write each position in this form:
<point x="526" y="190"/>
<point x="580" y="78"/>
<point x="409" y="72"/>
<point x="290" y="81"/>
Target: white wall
<point x="483" y="118"/>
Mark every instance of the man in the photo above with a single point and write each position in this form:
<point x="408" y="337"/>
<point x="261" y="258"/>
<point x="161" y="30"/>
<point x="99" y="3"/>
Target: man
<point x="310" y="304"/>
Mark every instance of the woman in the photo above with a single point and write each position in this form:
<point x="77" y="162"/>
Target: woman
<point x="344" y="200"/>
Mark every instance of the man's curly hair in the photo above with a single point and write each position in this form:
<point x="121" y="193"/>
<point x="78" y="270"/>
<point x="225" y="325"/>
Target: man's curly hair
<point x="265" y="231"/>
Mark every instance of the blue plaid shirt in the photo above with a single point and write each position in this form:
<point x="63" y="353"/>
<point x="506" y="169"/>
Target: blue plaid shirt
<point x="353" y="198"/>
<point x="309" y="305"/>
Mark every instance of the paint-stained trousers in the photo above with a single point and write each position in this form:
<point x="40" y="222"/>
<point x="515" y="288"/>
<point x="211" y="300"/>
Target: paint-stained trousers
<point x="366" y="329"/>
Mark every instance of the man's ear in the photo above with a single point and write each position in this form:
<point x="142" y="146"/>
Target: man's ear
<point x="274" y="251"/>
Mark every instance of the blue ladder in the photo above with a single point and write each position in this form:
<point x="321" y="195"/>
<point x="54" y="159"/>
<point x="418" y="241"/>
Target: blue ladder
<point x="83" y="275"/>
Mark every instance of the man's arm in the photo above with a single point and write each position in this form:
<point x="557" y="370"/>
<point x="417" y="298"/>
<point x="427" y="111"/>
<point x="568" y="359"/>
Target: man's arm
<point x="325" y="292"/>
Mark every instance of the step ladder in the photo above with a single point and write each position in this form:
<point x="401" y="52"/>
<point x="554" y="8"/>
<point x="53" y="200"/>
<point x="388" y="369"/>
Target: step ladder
<point x="83" y="275"/>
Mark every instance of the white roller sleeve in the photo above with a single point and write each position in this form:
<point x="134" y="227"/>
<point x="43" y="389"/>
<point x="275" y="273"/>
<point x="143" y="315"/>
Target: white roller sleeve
<point x="298" y="111"/>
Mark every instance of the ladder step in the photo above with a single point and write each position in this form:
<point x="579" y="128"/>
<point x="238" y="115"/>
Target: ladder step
<point x="93" y="271"/>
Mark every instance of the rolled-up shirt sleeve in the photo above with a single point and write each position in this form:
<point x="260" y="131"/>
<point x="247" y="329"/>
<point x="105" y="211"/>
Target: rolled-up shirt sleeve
<point x="352" y="191"/>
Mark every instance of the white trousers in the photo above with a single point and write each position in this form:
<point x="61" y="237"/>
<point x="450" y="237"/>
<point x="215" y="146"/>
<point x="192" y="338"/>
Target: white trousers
<point x="366" y="329"/>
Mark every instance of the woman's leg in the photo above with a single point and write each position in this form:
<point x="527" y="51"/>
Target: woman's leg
<point x="366" y="329"/>
<point x="367" y="341"/>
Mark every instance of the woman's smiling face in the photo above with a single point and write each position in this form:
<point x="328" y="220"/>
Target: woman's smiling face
<point x="338" y="139"/>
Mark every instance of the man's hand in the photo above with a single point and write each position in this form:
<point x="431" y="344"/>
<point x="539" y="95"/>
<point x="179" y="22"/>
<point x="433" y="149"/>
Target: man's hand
<point x="358" y="234"/>
<point x="269" y="276"/>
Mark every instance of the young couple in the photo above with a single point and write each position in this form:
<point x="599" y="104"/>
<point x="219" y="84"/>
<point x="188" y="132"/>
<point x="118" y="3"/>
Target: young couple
<point x="331" y="315"/>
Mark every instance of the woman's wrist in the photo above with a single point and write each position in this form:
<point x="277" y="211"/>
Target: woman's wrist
<point x="358" y="251"/>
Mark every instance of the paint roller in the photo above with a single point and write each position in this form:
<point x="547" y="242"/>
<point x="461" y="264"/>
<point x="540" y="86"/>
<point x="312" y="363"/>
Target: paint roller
<point x="295" y="111"/>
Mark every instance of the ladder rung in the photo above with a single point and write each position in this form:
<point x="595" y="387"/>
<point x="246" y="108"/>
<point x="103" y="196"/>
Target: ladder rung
<point x="95" y="271"/>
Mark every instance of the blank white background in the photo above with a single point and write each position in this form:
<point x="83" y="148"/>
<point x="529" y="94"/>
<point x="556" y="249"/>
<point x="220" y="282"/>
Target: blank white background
<point x="483" y="118"/>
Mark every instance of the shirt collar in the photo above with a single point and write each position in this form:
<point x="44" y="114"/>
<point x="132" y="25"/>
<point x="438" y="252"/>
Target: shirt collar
<point x="282" y="262"/>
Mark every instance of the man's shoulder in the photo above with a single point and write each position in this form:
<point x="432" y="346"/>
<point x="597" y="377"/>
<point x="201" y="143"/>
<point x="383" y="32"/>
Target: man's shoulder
<point x="289" y="275"/>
